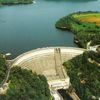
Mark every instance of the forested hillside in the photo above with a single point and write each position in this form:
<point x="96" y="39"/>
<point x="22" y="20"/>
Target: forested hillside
<point x="84" y="72"/>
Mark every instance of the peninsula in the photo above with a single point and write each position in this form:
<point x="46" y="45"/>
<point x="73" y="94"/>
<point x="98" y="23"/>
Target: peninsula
<point x="84" y="25"/>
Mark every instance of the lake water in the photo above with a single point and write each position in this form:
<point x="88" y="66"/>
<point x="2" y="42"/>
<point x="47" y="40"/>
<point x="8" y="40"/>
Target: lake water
<point x="26" y="27"/>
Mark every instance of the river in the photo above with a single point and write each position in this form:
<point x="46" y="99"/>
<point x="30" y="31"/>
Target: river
<point x="26" y="27"/>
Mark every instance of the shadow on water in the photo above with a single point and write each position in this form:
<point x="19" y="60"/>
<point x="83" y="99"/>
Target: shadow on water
<point x="64" y="94"/>
<point x="71" y="0"/>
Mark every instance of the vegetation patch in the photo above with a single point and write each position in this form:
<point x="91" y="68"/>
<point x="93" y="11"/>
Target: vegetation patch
<point x="85" y="26"/>
<point x="84" y="72"/>
<point x="25" y="85"/>
<point x="11" y="2"/>
<point x="3" y="68"/>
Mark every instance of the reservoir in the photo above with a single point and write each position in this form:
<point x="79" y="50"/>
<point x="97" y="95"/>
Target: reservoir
<point x="26" y="27"/>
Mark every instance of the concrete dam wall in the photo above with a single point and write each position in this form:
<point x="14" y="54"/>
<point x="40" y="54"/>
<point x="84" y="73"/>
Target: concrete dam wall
<point x="42" y="60"/>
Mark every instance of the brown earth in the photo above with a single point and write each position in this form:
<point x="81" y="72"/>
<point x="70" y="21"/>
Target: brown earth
<point x="91" y="19"/>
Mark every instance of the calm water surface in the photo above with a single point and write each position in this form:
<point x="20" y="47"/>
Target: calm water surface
<point x="26" y="27"/>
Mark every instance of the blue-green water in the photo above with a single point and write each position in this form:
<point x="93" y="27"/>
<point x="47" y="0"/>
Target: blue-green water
<point x="26" y="27"/>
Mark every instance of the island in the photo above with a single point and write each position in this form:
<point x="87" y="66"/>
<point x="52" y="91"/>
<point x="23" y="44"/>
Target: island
<point x="14" y="2"/>
<point x="84" y="25"/>
<point x="22" y="84"/>
<point x="84" y="73"/>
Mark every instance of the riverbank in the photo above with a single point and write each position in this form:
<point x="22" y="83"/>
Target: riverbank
<point x="84" y="25"/>
<point x="15" y="2"/>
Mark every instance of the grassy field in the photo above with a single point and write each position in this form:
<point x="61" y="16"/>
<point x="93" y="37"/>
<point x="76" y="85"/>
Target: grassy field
<point x="88" y="17"/>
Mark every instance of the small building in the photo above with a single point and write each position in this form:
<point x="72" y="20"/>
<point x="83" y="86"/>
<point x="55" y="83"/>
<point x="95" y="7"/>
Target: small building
<point x="95" y="48"/>
<point x="59" y="84"/>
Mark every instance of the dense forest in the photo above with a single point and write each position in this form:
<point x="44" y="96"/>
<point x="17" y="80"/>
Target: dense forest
<point x="3" y="68"/>
<point x="9" y="2"/>
<point x="84" y="25"/>
<point x="84" y="72"/>
<point x="23" y="84"/>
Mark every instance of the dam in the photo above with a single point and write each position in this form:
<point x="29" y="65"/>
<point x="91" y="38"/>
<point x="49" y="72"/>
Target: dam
<point x="45" y="60"/>
<point x="49" y="62"/>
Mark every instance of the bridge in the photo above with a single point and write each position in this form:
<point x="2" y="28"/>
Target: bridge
<point x="48" y="61"/>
